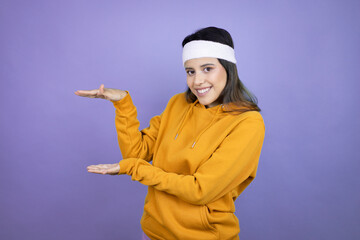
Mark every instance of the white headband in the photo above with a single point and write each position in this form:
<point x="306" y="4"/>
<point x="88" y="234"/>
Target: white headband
<point x="202" y="48"/>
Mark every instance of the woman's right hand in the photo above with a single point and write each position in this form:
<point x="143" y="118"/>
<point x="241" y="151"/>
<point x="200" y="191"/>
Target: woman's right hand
<point x="104" y="93"/>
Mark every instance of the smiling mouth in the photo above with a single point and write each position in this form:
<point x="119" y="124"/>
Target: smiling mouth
<point x="202" y="91"/>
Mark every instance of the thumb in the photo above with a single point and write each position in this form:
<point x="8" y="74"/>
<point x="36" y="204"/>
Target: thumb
<point x="101" y="89"/>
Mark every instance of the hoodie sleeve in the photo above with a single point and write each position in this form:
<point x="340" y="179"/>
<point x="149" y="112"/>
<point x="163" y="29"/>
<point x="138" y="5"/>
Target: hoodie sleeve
<point x="233" y="164"/>
<point x="132" y="142"/>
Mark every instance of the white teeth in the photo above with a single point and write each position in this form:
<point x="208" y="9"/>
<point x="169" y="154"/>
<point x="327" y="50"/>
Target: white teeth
<point x="203" y="90"/>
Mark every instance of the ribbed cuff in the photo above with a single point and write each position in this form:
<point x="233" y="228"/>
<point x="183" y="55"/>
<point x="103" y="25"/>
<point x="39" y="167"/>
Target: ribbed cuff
<point x="125" y="104"/>
<point x="125" y="165"/>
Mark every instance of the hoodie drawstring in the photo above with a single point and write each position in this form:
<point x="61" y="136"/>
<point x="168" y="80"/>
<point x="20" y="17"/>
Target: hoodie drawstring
<point x="207" y="127"/>
<point x="184" y="119"/>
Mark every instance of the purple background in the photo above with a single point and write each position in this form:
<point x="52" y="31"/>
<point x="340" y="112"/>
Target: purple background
<point x="300" y="58"/>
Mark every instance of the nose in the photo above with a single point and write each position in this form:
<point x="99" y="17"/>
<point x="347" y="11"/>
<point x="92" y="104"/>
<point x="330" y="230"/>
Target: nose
<point x="199" y="79"/>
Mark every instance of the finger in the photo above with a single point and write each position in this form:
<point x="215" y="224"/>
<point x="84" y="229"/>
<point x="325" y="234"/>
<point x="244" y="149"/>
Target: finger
<point x="96" y="168"/>
<point x="100" y="166"/>
<point x="103" y="166"/>
<point x="101" y="89"/>
<point x="103" y="172"/>
<point x="86" y="93"/>
<point x="96" y="171"/>
<point x="93" y="166"/>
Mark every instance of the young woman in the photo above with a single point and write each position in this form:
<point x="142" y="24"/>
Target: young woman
<point x="204" y="147"/>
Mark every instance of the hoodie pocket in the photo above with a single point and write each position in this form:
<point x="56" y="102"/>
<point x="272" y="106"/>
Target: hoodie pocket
<point x="205" y="220"/>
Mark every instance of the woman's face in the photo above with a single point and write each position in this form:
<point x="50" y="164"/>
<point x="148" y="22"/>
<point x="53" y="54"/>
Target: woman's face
<point x="206" y="78"/>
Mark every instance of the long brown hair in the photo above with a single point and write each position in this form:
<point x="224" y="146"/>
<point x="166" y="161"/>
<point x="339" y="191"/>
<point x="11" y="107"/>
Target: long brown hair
<point x="235" y="96"/>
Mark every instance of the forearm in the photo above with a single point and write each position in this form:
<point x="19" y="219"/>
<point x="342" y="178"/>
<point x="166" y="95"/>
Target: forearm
<point x="198" y="189"/>
<point x="132" y="142"/>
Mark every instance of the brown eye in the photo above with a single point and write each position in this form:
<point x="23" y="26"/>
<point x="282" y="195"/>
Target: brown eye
<point x="207" y="69"/>
<point x="190" y="72"/>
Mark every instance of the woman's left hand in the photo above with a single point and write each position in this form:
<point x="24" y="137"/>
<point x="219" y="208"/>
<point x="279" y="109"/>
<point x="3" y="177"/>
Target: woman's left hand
<point x="111" y="169"/>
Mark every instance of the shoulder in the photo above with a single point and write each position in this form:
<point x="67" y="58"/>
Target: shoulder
<point x="251" y="115"/>
<point x="251" y="120"/>
<point x="178" y="97"/>
<point x="178" y="101"/>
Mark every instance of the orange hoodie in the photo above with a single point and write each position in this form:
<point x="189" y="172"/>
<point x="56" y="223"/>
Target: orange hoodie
<point x="202" y="159"/>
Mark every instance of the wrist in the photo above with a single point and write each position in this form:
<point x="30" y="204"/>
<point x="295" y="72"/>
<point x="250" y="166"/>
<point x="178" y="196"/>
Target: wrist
<point x="122" y="94"/>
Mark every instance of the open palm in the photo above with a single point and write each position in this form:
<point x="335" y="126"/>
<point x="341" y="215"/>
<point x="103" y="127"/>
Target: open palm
<point x="111" y="169"/>
<point x="104" y="93"/>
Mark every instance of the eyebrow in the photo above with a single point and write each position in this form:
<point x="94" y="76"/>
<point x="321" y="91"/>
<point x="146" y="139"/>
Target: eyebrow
<point x="206" y="64"/>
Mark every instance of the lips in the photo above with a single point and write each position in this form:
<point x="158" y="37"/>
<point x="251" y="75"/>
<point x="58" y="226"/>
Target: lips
<point x="202" y="91"/>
